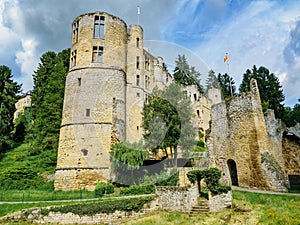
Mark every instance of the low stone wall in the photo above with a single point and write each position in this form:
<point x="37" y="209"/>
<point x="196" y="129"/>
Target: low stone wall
<point x="181" y="199"/>
<point x="219" y="202"/>
<point x="69" y="218"/>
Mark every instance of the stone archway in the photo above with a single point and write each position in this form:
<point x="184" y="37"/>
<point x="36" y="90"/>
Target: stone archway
<point x="233" y="172"/>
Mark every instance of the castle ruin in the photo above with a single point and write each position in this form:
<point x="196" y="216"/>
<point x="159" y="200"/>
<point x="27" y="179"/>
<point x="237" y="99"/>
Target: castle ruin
<point x="110" y="78"/>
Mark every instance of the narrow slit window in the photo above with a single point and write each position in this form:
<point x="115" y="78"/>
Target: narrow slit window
<point x="137" y="80"/>
<point x="198" y="113"/>
<point x="97" y="54"/>
<point x="137" y="42"/>
<point x="195" y="97"/>
<point x="79" y="81"/>
<point x="137" y="62"/>
<point x="88" y="112"/>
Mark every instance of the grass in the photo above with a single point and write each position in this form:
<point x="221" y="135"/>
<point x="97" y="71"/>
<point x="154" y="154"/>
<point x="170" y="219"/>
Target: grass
<point x="249" y="209"/>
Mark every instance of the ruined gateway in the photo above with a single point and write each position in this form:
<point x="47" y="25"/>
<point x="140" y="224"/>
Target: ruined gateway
<point x="111" y="74"/>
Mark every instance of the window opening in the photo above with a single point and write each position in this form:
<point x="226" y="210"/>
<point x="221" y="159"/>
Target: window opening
<point x="97" y="54"/>
<point x="137" y="42"/>
<point x="79" y="81"/>
<point x="137" y="80"/>
<point x="137" y="62"/>
<point x="99" y="27"/>
<point x="75" y="31"/>
<point x="88" y="112"/>
<point x="73" y="58"/>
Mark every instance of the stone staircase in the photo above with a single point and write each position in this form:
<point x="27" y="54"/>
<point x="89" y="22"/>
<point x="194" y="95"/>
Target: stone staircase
<point x="202" y="207"/>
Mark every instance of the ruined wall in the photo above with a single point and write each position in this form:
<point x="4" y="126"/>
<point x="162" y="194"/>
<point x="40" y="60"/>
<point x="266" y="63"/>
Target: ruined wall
<point x="181" y="199"/>
<point x="238" y="139"/>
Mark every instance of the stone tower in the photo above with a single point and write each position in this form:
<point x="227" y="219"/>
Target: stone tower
<point x="111" y="74"/>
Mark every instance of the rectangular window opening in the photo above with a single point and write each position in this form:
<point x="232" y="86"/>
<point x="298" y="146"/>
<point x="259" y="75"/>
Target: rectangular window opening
<point x="137" y="42"/>
<point x="73" y="58"/>
<point x="137" y="80"/>
<point x="88" y="112"/>
<point x="195" y="97"/>
<point x="198" y="113"/>
<point x="97" y="54"/>
<point x="79" y="81"/>
<point x="99" y="27"/>
<point x="137" y="62"/>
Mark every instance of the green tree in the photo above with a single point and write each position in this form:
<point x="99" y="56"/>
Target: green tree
<point x="47" y="102"/>
<point x="292" y="116"/>
<point x="126" y="159"/>
<point x="227" y="85"/>
<point x="212" y="81"/>
<point x="8" y="97"/>
<point x="185" y="74"/>
<point x="167" y="121"/>
<point x="271" y="92"/>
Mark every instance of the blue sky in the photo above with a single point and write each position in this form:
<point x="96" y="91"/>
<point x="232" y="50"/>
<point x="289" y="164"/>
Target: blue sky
<point x="262" y="33"/>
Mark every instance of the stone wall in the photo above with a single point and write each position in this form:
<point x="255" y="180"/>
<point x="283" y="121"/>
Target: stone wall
<point x="238" y="138"/>
<point x="219" y="202"/>
<point x="181" y="199"/>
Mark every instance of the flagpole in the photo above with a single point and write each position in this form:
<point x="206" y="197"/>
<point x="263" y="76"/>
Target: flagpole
<point x="226" y="59"/>
<point x="138" y="14"/>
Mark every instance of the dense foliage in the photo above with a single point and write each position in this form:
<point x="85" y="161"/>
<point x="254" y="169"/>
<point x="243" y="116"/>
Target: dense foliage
<point x="47" y="102"/>
<point x="103" y="188"/>
<point x="271" y="92"/>
<point x="186" y="75"/>
<point x="211" y="177"/>
<point x="167" y="121"/>
<point x="126" y="160"/>
<point x="292" y="115"/>
<point x="138" y="190"/>
<point x="8" y="97"/>
<point x="109" y="206"/>
<point x="227" y="85"/>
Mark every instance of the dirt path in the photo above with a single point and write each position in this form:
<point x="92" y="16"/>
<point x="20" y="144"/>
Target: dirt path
<point x="263" y="191"/>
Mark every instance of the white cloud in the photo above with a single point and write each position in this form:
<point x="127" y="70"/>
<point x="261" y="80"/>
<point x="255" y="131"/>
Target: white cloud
<point x="257" y="35"/>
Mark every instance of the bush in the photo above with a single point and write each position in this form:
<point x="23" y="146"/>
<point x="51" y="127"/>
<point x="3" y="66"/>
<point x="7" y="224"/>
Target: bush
<point x="138" y="190"/>
<point x="104" y="188"/>
<point x="110" y="188"/>
<point x="100" y="189"/>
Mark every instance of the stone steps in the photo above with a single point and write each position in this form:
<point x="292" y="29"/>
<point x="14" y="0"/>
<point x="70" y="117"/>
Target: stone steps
<point x="202" y="207"/>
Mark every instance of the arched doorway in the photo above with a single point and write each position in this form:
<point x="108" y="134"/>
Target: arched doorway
<point x="233" y="172"/>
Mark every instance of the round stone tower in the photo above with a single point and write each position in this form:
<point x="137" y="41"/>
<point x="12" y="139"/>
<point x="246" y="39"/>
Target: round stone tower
<point x="95" y="101"/>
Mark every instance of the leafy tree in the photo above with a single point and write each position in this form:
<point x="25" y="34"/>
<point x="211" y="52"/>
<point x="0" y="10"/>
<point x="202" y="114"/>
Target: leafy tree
<point x="8" y="97"/>
<point x="212" y="81"/>
<point x="270" y="89"/>
<point x="167" y="121"/>
<point x="22" y="125"/>
<point x="227" y="85"/>
<point x="185" y="74"/>
<point x="126" y="160"/>
<point x="292" y="116"/>
<point x="47" y="101"/>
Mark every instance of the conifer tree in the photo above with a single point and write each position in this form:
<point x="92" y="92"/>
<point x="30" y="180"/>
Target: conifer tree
<point x="8" y="97"/>
<point x="47" y="102"/>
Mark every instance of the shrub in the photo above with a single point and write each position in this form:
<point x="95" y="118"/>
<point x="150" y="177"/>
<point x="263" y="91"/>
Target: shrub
<point x="138" y="190"/>
<point x="110" y="188"/>
<point x="104" y="188"/>
<point x="100" y="189"/>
